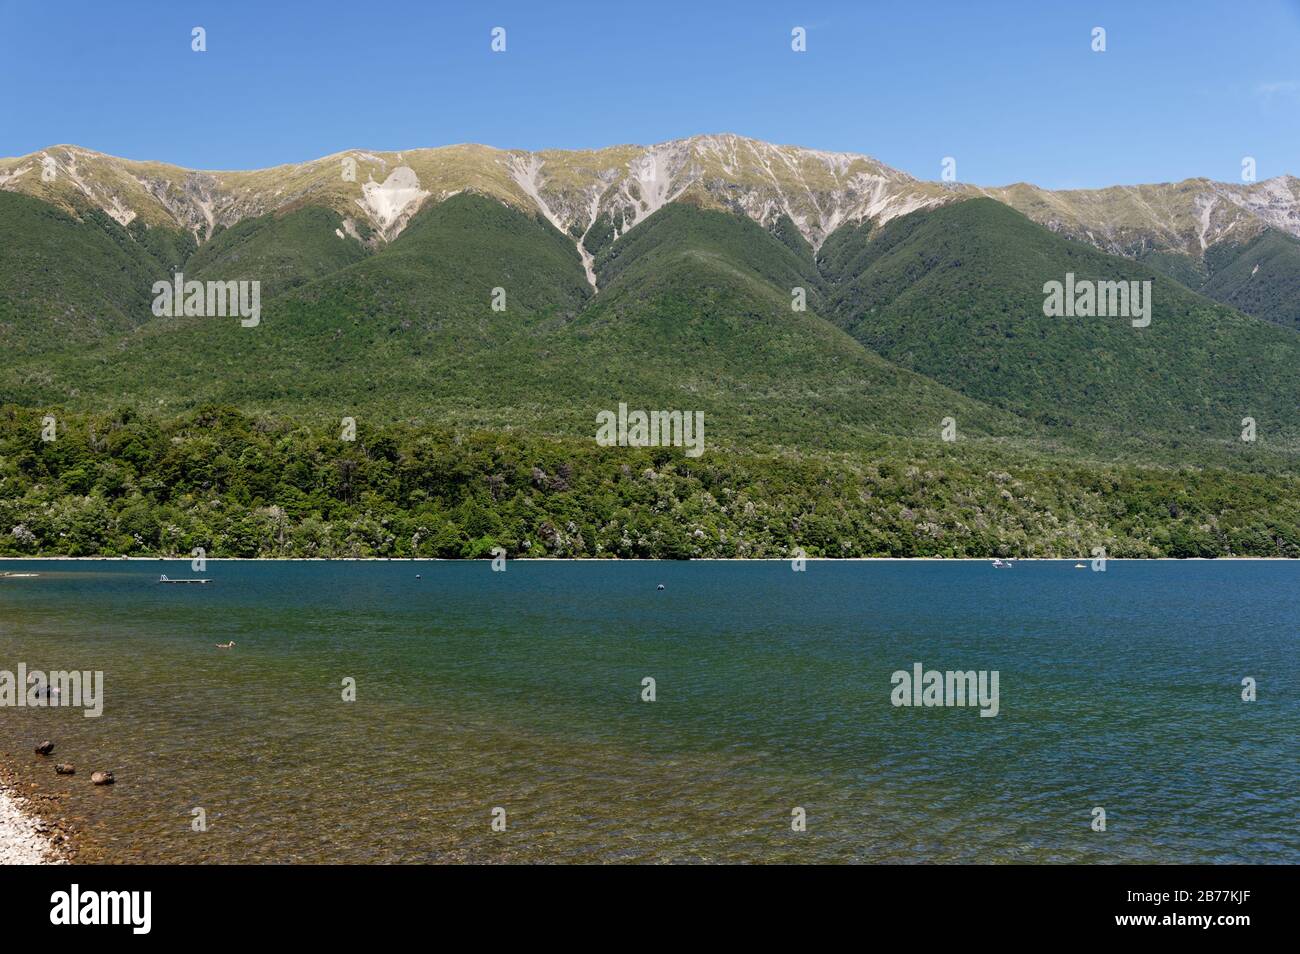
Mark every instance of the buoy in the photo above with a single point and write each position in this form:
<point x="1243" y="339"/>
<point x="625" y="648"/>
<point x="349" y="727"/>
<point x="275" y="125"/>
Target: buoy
<point x="661" y="586"/>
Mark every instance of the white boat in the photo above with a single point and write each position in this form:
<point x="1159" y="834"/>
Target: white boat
<point x="1002" y="565"/>
<point x="164" y="578"/>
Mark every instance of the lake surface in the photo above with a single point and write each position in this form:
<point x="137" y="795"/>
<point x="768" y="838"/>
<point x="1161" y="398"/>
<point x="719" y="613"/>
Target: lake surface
<point x="522" y="690"/>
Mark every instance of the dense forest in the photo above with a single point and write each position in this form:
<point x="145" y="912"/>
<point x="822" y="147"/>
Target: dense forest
<point x="244" y="486"/>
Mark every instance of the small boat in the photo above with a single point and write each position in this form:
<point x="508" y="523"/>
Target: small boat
<point x="166" y="579"/>
<point x="1001" y="565"/>
<point x="19" y="576"/>
<point x="1080" y="566"/>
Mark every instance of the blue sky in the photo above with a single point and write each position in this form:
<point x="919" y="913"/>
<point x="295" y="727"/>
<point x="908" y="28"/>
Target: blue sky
<point x="1012" y="90"/>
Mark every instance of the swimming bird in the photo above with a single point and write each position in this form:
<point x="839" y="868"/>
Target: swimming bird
<point x="44" y="690"/>
<point x="226" y="645"/>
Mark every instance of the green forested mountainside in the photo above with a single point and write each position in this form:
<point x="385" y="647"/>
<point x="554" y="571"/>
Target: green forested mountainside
<point x="1179" y="266"/>
<point x="66" y="283"/>
<point x="1260" y="277"/>
<point x="170" y="248"/>
<point x="396" y="333"/>
<point x="281" y="250"/>
<point x="695" y="313"/>
<point x="956" y="293"/>
<point x="476" y="426"/>
<point x="242" y="486"/>
<point x="684" y="229"/>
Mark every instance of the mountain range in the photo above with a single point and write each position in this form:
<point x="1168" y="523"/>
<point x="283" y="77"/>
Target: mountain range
<point x="804" y="302"/>
<point x="1193" y="229"/>
<point x="656" y="273"/>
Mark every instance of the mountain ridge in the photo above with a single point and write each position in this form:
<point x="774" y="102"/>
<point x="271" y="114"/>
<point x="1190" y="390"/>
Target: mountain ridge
<point x="596" y="196"/>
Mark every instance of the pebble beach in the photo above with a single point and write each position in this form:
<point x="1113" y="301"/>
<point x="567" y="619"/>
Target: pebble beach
<point x="21" y="841"/>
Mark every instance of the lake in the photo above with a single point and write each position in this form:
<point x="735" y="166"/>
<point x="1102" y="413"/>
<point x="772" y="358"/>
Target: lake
<point x="523" y="690"/>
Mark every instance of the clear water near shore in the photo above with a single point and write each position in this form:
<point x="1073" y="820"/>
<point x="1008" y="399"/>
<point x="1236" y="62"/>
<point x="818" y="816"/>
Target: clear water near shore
<point x="522" y="690"/>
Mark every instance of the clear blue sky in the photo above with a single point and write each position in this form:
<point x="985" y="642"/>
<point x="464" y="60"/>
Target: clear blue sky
<point x="1011" y="89"/>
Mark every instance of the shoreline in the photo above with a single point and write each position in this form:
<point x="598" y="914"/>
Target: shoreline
<point x="27" y="836"/>
<point x="784" y="559"/>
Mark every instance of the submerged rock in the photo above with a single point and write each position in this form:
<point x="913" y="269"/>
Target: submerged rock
<point x="102" y="778"/>
<point x="45" y="748"/>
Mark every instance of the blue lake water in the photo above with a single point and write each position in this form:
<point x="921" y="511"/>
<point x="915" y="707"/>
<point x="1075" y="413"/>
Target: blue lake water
<point x="523" y="690"/>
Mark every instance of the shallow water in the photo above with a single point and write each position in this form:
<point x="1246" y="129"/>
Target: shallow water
<point x="522" y="690"/>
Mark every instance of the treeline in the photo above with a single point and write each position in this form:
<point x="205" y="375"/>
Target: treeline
<point x="242" y="486"/>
